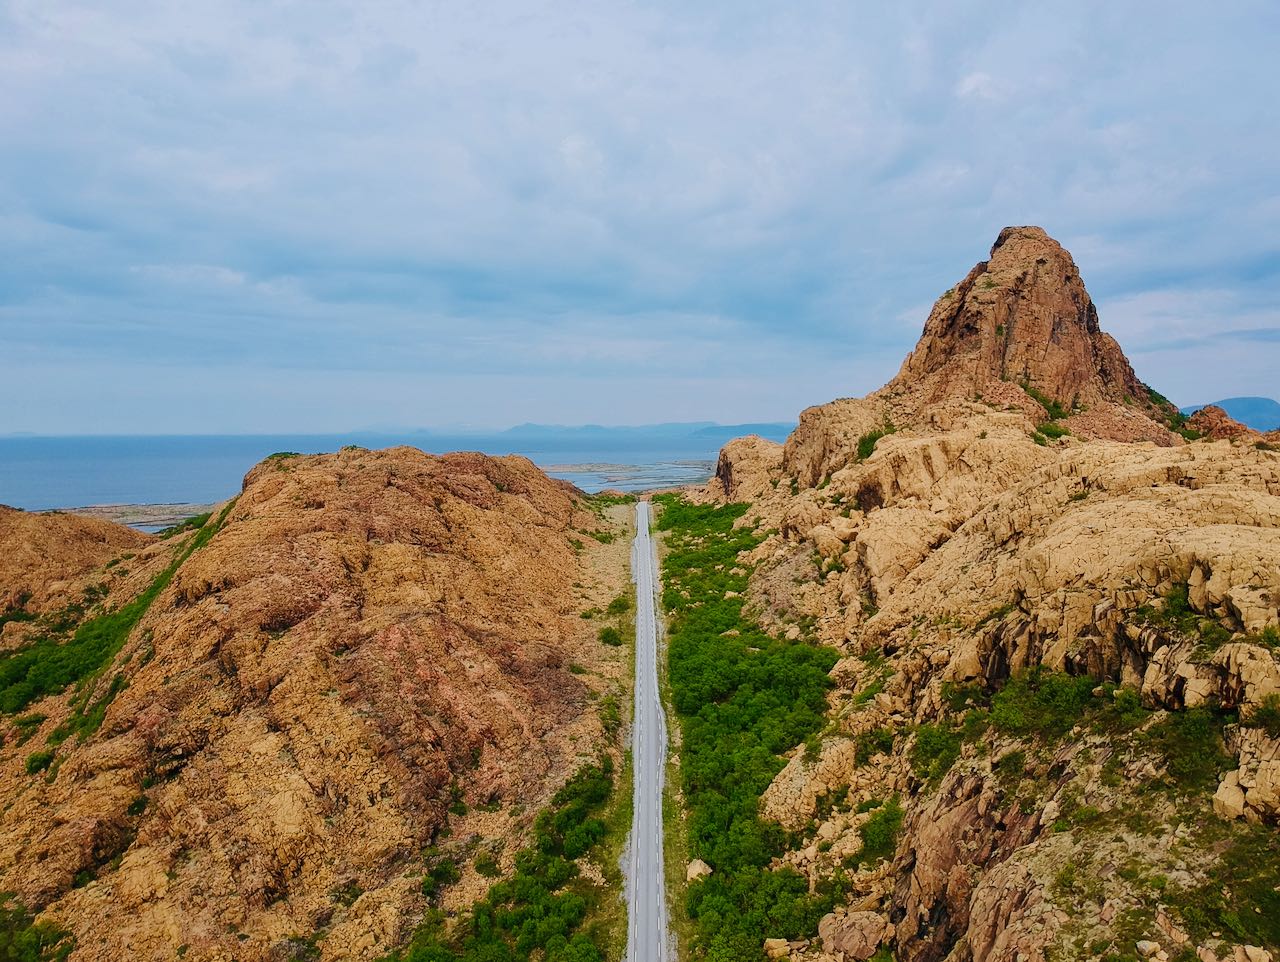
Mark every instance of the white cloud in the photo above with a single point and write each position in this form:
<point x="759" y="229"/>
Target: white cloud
<point x="580" y="186"/>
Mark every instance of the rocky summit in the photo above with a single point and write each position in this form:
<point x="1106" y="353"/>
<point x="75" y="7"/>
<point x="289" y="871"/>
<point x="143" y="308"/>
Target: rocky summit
<point x="1056" y="709"/>
<point x="220" y="743"/>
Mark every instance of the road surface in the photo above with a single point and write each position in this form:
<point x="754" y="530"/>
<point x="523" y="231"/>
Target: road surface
<point x="647" y="938"/>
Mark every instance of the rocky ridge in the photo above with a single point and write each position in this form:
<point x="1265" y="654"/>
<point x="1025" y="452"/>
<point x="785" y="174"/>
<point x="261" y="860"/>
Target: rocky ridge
<point x="1013" y="517"/>
<point x="363" y="654"/>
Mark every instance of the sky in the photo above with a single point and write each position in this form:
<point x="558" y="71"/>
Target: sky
<point x="322" y="216"/>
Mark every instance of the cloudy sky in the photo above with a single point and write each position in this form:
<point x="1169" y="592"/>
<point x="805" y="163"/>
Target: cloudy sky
<point x="309" y="216"/>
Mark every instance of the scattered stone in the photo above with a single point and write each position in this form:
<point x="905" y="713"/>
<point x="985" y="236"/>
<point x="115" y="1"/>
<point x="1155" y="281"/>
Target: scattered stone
<point x="697" y="869"/>
<point x="1146" y="948"/>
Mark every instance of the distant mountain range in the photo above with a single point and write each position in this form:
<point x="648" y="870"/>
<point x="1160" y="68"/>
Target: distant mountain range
<point x="1259" y="413"/>
<point x="710" y="430"/>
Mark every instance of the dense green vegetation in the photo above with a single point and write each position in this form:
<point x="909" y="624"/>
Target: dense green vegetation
<point x="541" y="911"/>
<point x="23" y="939"/>
<point x="68" y="653"/>
<point x="611" y="636"/>
<point x="742" y="700"/>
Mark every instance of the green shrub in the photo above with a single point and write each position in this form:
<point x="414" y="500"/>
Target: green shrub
<point x="619" y="605"/>
<point x="440" y="874"/>
<point x="879" y="835"/>
<point x="487" y="865"/>
<point x="878" y="741"/>
<point x="610" y="636"/>
<point x="935" y="750"/>
<point x="1042" y="703"/>
<point x="23" y="939"/>
<point x="39" y="761"/>
<point x="538" y="911"/>
<point x="610" y="714"/>
<point x="1266" y="716"/>
<point x="867" y="443"/>
<point x="1054" y="430"/>
<point x="1192" y="746"/>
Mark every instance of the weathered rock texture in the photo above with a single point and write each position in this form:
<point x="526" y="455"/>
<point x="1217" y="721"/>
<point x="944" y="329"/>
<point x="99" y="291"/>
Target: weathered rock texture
<point x="964" y="547"/>
<point x="1023" y="316"/>
<point x="369" y="638"/>
<point x="46" y="556"/>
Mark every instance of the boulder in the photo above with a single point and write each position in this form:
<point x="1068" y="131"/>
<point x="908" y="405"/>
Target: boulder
<point x="697" y="869"/>
<point x="857" y="935"/>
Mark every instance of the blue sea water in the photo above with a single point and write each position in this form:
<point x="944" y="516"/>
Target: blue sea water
<point x="38" y="473"/>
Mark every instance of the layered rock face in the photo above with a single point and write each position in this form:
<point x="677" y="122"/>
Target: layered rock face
<point x="369" y="644"/>
<point x="961" y="552"/>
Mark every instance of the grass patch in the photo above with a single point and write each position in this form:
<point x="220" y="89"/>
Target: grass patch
<point x="193" y="523"/>
<point x="1053" y="430"/>
<point x="1052" y="408"/>
<point x="1241" y="897"/>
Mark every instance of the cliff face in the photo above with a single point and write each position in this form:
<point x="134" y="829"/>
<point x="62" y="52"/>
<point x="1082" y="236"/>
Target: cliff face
<point x="1059" y="647"/>
<point x="363" y="650"/>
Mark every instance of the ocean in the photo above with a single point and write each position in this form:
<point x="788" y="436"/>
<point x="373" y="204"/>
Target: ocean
<point x="40" y="473"/>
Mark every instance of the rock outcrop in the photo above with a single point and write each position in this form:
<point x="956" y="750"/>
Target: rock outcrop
<point x="1216" y="424"/>
<point x="1022" y="316"/>
<point x="370" y="643"/>
<point x="1015" y="504"/>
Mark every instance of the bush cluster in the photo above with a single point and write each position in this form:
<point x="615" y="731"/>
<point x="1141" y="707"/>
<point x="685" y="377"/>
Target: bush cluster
<point x="742" y="700"/>
<point x="538" y="912"/>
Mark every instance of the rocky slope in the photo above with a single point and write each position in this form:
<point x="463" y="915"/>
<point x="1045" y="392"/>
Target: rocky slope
<point x="46" y="556"/>
<point x="1058" y="629"/>
<point x="364" y="654"/>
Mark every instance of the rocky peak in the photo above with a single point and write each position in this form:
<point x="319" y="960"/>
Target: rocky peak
<point x="1023" y="316"/>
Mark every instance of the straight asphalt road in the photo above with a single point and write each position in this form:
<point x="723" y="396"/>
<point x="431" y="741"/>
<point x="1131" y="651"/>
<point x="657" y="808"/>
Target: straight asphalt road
<point x="647" y="933"/>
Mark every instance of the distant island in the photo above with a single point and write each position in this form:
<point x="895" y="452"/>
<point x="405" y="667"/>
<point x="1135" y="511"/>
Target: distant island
<point x="1259" y="413"/>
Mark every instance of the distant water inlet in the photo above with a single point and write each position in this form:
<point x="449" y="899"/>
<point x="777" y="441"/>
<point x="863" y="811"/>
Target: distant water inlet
<point x="39" y="473"/>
